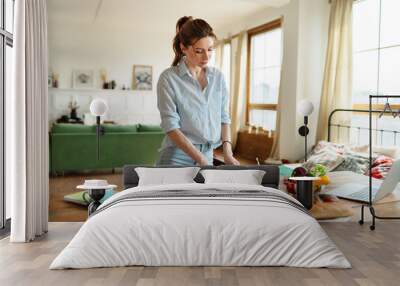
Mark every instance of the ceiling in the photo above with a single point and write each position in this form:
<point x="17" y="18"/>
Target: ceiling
<point x="152" y="15"/>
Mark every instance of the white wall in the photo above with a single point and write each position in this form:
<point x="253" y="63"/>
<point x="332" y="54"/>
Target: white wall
<point x="305" y="29"/>
<point x="313" y="37"/>
<point x="115" y="50"/>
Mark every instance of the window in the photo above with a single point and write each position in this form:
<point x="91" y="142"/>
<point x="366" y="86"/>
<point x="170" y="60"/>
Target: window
<point x="6" y="43"/>
<point x="376" y="63"/>
<point x="265" y="58"/>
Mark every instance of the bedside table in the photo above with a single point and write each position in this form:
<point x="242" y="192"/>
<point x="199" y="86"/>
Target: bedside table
<point x="96" y="190"/>
<point x="304" y="190"/>
<point x="96" y="195"/>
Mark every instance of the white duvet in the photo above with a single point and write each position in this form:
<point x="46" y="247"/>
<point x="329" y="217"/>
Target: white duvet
<point x="200" y="231"/>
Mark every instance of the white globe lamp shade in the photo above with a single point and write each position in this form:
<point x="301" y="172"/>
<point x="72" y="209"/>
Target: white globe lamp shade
<point x="98" y="107"/>
<point x="305" y="107"/>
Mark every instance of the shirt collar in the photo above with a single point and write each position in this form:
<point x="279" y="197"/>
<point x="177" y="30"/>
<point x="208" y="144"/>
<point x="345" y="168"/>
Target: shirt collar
<point x="183" y="69"/>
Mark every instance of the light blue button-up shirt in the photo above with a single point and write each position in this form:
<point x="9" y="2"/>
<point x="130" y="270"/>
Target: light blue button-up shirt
<point x="183" y="104"/>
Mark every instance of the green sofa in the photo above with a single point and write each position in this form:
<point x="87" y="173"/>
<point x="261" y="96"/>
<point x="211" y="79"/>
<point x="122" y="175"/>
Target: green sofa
<point x="73" y="147"/>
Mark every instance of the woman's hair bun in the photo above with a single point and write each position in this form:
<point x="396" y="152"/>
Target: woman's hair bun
<point x="182" y="21"/>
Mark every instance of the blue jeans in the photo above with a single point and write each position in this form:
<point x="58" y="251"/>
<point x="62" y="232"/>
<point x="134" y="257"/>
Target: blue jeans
<point x="175" y="156"/>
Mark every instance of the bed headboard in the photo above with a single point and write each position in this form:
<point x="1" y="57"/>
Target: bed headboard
<point x="270" y="179"/>
<point x="357" y="128"/>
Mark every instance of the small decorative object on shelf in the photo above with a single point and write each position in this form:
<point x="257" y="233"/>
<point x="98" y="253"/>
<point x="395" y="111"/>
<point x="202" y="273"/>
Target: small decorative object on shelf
<point x="96" y="190"/>
<point x="73" y="106"/>
<point x="113" y="84"/>
<point x="55" y="77"/>
<point x="110" y="85"/>
<point x="103" y="78"/>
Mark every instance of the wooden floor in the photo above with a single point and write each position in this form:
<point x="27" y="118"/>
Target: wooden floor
<point x="375" y="257"/>
<point x="59" y="186"/>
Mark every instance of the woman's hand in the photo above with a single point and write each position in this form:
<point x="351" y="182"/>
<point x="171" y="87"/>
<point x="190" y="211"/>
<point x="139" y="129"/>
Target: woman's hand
<point x="230" y="160"/>
<point x="203" y="161"/>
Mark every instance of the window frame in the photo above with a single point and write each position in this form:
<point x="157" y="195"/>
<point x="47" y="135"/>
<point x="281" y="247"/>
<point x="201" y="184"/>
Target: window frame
<point x="275" y="24"/>
<point x="375" y="106"/>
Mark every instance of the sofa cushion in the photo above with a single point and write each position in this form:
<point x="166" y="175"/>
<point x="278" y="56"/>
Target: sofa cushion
<point x="111" y="128"/>
<point x="149" y="128"/>
<point x="73" y="128"/>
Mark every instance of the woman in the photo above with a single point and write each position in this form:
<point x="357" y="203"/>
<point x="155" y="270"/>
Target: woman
<point x="193" y="100"/>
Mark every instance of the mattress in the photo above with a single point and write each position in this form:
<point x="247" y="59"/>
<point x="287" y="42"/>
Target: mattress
<point x="201" y="225"/>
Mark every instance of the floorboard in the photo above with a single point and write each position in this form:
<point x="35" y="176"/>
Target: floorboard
<point x="374" y="255"/>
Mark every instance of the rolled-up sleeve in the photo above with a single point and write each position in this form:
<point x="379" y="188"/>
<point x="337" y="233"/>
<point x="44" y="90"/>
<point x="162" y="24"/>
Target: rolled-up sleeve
<point x="170" y="118"/>
<point x="225" y="117"/>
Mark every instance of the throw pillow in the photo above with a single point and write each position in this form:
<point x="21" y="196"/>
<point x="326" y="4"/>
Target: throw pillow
<point x="355" y="162"/>
<point x="327" y="157"/>
<point x="163" y="176"/>
<point x="249" y="177"/>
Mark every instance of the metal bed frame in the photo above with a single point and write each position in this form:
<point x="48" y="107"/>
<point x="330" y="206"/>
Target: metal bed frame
<point x="370" y="111"/>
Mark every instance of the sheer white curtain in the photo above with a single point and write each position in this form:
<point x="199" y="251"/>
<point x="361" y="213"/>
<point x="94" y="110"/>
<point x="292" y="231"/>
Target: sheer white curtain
<point x="219" y="55"/>
<point x="337" y="84"/>
<point x="238" y="85"/>
<point x="28" y="158"/>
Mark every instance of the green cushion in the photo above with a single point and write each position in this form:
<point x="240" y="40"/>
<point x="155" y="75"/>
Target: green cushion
<point x="111" y="128"/>
<point x="149" y="128"/>
<point x="73" y="128"/>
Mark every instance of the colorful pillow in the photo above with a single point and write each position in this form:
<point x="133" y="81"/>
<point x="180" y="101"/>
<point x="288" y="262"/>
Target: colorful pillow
<point x="380" y="167"/>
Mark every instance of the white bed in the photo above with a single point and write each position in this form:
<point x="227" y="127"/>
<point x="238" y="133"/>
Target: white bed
<point x="202" y="231"/>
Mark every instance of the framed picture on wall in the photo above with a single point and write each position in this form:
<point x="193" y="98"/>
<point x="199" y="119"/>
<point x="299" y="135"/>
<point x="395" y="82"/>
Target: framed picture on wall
<point x="142" y="77"/>
<point x="83" y="78"/>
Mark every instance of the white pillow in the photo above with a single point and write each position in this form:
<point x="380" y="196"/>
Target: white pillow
<point x="249" y="177"/>
<point x="165" y="176"/>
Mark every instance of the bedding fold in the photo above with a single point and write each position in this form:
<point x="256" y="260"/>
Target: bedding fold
<point x="201" y="225"/>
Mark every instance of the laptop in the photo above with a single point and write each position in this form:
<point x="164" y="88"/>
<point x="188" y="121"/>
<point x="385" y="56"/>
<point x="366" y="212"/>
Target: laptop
<point x="360" y="192"/>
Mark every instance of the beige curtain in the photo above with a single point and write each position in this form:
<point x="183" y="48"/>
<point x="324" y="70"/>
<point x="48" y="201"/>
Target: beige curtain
<point x="275" y="150"/>
<point x="219" y="55"/>
<point x="238" y="85"/>
<point x="337" y="84"/>
<point x="28" y="121"/>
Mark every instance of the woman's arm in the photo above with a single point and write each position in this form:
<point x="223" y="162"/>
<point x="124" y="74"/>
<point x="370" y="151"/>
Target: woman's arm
<point x="182" y="142"/>
<point x="227" y="145"/>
